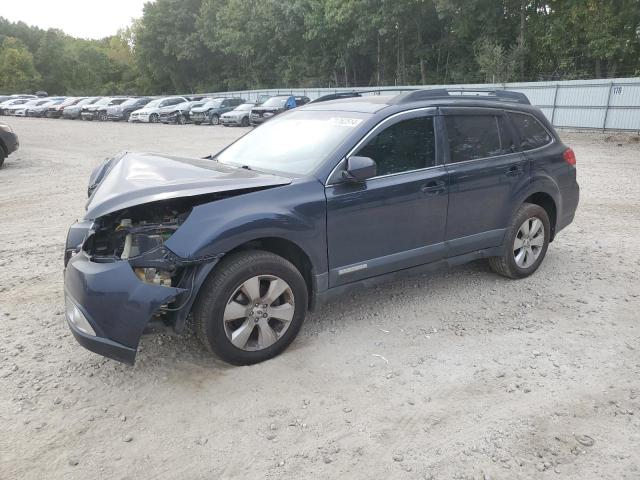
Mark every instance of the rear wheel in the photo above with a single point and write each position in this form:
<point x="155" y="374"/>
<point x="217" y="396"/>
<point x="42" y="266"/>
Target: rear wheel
<point x="526" y="244"/>
<point x="251" y="308"/>
<point x="215" y="119"/>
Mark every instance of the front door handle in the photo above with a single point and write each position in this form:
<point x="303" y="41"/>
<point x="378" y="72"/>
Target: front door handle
<point x="434" y="187"/>
<point x="515" y="170"/>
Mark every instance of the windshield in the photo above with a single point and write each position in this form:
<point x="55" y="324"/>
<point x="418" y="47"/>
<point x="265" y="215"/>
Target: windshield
<point x="131" y="101"/>
<point x="275" y="102"/>
<point x="213" y="104"/>
<point x="295" y="143"/>
<point x="86" y="101"/>
<point x="154" y="103"/>
<point x="103" y="101"/>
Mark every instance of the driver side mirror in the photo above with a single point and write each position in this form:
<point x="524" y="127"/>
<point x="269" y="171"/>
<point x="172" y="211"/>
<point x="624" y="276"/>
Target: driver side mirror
<point x="359" y="169"/>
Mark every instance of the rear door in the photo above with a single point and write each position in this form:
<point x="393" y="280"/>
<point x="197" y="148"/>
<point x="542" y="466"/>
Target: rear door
<point x="485" y="171"/>
<point x="395" y="220"/>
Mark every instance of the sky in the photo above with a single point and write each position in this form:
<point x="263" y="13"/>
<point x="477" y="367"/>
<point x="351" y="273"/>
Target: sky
<point x="79" y="18"/>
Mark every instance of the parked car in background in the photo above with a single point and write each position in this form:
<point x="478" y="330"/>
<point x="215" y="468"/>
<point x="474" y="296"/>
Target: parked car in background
<point x="21" y="110"/>
<point x="181" y="113"/>
<point x="150" y="113"/>
<point x="275" y="106"/>
<point x="318" y="202"/>
<point x="237" y="116"/>
<point x="122" y="111"/>
<point x="9" y="103"/>
<point x="98" y="110"/>
<point x="73" y="112"/>
<point x="210" y="112"/>
<point x="55" y="111"/>
<point x="41" y="110"/>
<point x="8" y="142"/>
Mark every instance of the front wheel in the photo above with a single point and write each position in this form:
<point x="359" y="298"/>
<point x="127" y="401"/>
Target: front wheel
<point x="251" y="308"/>
<point x="526" y="243"/>
<point x="2" y="157"/>
<point x="245" y="122"/>
<point x="215" y="119"/>
<point x="102" y="116"/>
<point x="154" y="118"/>
<point x="181" y="120"/>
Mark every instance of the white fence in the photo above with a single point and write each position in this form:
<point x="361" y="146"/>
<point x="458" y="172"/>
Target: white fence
<point x="607" y="104"/>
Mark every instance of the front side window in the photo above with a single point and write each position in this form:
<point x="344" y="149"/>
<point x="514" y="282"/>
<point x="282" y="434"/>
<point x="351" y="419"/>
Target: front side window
<point x="532" y="134"/>
<point x="402" y="147"/>
<point x="475" y="136"/>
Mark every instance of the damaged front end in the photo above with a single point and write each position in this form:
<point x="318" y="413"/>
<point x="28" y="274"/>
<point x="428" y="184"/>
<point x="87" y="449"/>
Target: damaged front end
<point x="121" y="279"/>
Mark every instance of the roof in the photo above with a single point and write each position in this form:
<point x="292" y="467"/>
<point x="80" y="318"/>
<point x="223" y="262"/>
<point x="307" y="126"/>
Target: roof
<point x="373" y="103"/>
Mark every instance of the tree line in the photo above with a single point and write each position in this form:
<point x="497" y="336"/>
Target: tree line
<point x="184" y="46"/>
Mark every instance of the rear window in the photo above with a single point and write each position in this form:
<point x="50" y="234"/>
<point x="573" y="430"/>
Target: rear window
<point x="532" y="133"/>
<point x="475" y="136"/>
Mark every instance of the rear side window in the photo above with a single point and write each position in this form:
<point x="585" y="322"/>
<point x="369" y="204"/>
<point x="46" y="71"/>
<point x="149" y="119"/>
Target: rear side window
<point x="476" y="136"/>
<point x="402" y="147"/>
<point x="533" y="134"/>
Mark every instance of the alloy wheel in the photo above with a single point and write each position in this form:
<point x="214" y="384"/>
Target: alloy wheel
<point x="259" y="312"/>
<point x="529" y="242"/>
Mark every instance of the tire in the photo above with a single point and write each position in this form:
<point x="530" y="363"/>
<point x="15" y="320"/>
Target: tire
<point x="215" y="119"/>
<point x="102" y="116"/>
<point x="244" y="122"/>
<point x="2" y="157"/>
<point x="153" y="118"/>
<point x="525" y="260"/>
<point x="126" y="116"/>
<point x="224" y="288"/>
<point x="181" y="120"/>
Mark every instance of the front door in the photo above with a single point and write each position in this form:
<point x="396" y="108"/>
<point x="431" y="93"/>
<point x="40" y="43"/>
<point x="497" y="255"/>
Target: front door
<point x="395" y="220"/>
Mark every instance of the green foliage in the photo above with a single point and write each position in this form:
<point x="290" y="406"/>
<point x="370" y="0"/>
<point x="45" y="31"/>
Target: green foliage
<point x="17" y="72"/>
<point x="182" y="46"/>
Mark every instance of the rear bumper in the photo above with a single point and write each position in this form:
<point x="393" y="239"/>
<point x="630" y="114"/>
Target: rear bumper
<point x="114" y="302"/>
<point x="570" y="201"/>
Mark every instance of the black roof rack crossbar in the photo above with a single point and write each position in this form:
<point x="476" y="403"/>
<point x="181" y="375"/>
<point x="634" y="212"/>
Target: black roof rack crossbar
<point x="476" y="94"/>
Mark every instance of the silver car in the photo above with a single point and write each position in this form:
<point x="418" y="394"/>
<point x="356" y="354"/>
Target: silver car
<point x="238" y="116"/>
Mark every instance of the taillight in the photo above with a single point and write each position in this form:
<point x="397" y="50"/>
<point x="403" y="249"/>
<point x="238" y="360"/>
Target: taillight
<point x="569" y="156"/>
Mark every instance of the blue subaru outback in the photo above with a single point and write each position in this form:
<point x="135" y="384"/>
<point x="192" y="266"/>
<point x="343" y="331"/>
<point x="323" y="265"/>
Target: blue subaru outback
<point x="325" y="198"/>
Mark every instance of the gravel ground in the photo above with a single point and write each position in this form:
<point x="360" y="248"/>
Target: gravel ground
<point x="452" y="375"/>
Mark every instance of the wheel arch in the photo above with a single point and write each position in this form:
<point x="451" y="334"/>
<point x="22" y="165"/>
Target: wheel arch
<point x="288" y="250"/>
<point x="547" y="202"/>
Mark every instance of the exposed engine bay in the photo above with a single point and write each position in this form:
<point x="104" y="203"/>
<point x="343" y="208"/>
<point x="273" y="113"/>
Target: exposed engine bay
<point x="137" y="234"/>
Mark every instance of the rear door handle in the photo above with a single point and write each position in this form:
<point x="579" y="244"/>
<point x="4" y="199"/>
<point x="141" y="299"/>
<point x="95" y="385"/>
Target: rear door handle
<point x="434" y="187"/>
<point x="515" y="170"/>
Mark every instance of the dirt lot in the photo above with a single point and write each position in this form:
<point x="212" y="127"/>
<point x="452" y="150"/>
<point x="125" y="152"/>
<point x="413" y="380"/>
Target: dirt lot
<point x="455" y="374"/>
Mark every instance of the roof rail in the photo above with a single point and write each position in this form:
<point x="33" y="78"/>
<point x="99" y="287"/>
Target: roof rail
<point x="358" y="93"/>
<point x="475" y="94"/>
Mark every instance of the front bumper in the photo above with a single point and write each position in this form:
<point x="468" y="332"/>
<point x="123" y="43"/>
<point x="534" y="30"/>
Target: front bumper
<point x="199" y="117"/>
<point x="115" y="116"/>
<point x="89" y="115"/>
<point x="114" y="302"/>
<point x="230" y="121"/>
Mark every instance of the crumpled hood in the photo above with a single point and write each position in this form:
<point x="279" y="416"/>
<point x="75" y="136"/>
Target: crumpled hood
<point x="130" y="179"/>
